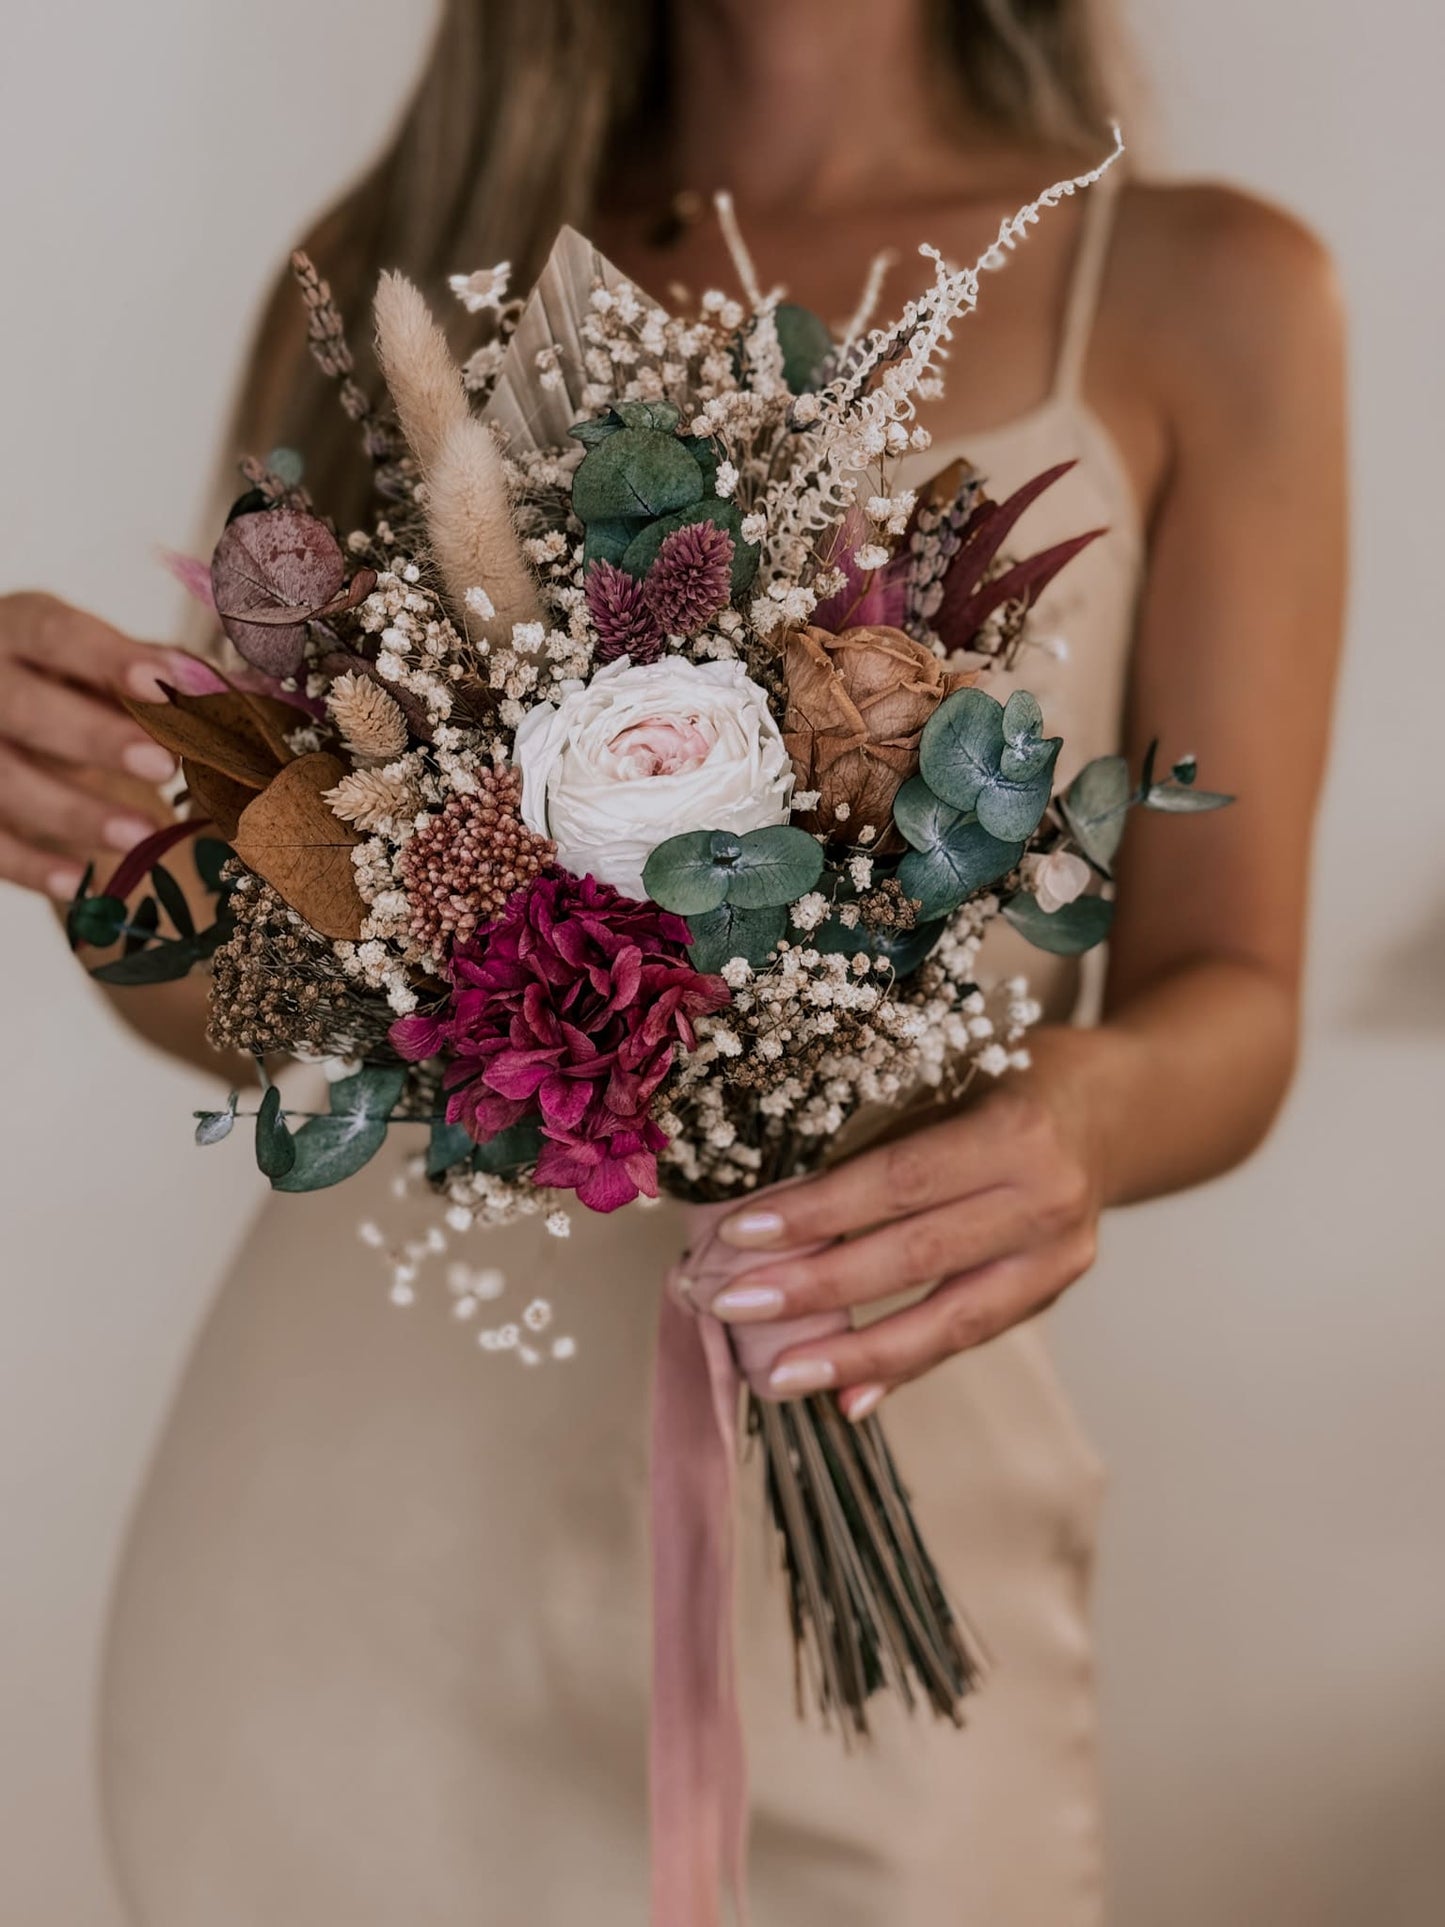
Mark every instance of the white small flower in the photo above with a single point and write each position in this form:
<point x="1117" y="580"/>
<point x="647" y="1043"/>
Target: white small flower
<point x="479" y="603"/>
<point x="993" y="1061"/>
<point x="872" y="555"/>
<point x="487" y="288"/>
<point x="559" y="1224"/>
<point x="727" y="478"/>
<point x="538" y="1315"/>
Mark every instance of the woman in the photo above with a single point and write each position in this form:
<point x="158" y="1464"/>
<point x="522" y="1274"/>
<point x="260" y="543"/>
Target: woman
<point x="379" y="1645"/>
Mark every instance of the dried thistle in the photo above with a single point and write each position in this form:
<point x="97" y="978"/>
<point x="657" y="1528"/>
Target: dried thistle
<point x="621" y="615"/>
<point x="691" y="580"/>
<point x="370" y="722"/>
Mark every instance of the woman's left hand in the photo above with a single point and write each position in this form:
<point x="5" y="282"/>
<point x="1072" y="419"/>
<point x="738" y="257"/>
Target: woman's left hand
<point x="999" y="1204"/>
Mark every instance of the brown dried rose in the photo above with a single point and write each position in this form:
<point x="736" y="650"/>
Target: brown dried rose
<point x="856" y="706"/>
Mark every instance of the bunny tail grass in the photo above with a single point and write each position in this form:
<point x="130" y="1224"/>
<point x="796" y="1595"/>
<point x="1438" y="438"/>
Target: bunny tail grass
<point x="469" y="518"/>
<point x="868" y="1609"/>
<point x="469" y="512"/>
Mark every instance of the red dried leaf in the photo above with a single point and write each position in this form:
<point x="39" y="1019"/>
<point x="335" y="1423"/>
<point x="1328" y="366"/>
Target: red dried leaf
<point x="138" y="862"/>
<point x="984" y="534"/>
<point x="1027" y="580"/>
<point x="271" y="572"/>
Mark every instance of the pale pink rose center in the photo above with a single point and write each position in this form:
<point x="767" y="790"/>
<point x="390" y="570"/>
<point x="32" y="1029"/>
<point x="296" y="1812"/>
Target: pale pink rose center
<point x="661" y="746"/>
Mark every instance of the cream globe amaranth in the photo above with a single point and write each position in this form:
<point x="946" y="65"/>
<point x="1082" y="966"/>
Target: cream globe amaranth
<point x="644" y="752"/>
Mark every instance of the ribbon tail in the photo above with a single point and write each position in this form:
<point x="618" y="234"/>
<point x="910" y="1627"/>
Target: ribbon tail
<point x="697" y="1770"/>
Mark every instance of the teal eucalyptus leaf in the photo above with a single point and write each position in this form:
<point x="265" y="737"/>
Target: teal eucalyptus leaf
<point x="727" y="932"/>
<point x="806" y="342"/>
<point x="95" y="920"/>
<point x="507" y="1152"/>
<point x="963" y="861"/>
<point x="328" y="1150"/>
<point x="275" y="1146"/>
<point x="961" y="747"/>
<point x="684" y="875"/>
<point x="1180" y="800"/>
<point x="1012" y="809"/>
<point x="608" y="541"/>
<point x="1096" y="805"/>
<point x="904" y="949"/>
<point x="1076" y="927"/>
<point x="447" y="1145"/>
<point x="773" y="867"/>
<point x="636" y="472"/>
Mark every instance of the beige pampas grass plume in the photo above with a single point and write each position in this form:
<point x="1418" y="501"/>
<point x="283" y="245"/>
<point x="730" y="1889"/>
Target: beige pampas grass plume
<point x="469" y="511"/>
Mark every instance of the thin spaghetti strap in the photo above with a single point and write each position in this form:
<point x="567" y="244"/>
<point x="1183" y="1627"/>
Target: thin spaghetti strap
<point x="1085" y="280"/>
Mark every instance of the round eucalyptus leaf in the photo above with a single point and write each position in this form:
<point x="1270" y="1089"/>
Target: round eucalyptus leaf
<point x="661" y="415"/>
<point x="607" y="541"/>
<point x="684" y="875"/>
<point x="447" y="1145"/>
<point x="1012" y="810"/>
<point x="372" y="1092"/>
<point x="960" y="864"/>
<point x="922" y="818"/>
<point x="1096" y="805"/>
<point x="637" y="471"/>
<point x="806" y="343"/>
<point x="727" y="932"/>
<point x="1023" y="720"/>
<point x="1075" y="927"/>
<point x="641" y="552"/>
<point x="595" y="429"/>
<point x="212" y="1126"/>
<point x="95" y="920"/>
<point x="773" y="867"/>
<point x="961" y="746"/>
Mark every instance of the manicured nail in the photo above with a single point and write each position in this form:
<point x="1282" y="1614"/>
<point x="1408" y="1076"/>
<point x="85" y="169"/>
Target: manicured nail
<point x="124" y="832"/>
<point x="742" y="1302"/>
<point x="751" y="1228"/>
<point x="800" y="1375"/>
<point x="864" y="1400"/>
<point x="148" y="761"/>
<point x="191" y="675"/>
<point x="63" y="884"/>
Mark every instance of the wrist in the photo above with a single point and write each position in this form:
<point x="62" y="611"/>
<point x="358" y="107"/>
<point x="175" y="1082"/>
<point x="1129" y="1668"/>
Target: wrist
<point x="1088" y="1079"/>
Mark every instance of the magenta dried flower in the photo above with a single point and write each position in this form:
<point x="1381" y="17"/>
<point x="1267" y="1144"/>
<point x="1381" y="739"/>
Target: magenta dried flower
<point x="569" y="1011"/>
<point x="468" y="859"/>
<point x="620" y="614"/>
<point x="691" y="580"/>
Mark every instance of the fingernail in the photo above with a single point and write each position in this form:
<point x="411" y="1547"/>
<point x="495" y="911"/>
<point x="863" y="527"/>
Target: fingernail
<point x="148" y="760"/>
<point x="867" y="1400"/>
<point x="124" y="832"/>
<point x="191" y="675"/>
<point x="801" y="1375"/>
<point x="63" y="884"/>
<point x="748" y="1301"/>
<point x="751" y="1228"/>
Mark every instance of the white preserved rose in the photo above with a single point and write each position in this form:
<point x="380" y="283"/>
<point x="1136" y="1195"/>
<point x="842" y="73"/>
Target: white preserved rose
<point x="643" y="753"/>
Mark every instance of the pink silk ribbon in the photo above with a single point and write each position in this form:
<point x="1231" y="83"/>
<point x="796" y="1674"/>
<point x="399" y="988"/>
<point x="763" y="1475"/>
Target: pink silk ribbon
<point x="698" y="1765"/>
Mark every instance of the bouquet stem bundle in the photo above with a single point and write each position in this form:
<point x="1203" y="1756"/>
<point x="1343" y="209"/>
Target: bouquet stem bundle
<point x="867" y="1607"/>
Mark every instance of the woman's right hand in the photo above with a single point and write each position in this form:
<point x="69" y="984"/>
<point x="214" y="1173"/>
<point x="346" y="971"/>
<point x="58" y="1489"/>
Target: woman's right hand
<point x="76" y="774"/>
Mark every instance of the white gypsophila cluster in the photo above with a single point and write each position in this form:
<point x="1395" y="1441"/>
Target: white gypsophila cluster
<point x="815" y="1038"/>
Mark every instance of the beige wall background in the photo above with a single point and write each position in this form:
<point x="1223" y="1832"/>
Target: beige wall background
<point x="1260" y="1362"/>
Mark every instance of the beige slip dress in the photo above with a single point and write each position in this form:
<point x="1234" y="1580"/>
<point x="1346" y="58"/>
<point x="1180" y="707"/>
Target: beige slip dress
<point x="379" y="1647"/>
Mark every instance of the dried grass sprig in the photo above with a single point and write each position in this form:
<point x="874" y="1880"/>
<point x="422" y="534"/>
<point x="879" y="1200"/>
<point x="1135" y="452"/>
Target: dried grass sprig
<point x="371" y="724"/>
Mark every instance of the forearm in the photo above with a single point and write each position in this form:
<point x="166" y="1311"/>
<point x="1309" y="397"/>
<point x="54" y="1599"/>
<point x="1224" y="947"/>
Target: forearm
<point x="1179" y="1083"/>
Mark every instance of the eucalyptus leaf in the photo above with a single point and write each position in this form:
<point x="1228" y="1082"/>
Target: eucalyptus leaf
<point x="275" y="1146"/>
<point x="641" y="552"/>
<point x="213" y="1126"/>
<point x="1024" y="762"/>
<point x="1180" y="800"/>
<point x="327" y="1150"/>
<point x="95" y="920"/>
<point x="684" y="876"/>
<point x="142" y="925"/>
<point x="1011" y="809"/>
<point x="773" y="867"/>
<point x="608" y="541"/>
<point x="637" y="471"/>
<point x="372" y="1092"/>
<point x="905" y="950"/>
<point x="448" y="1144"/>
<point x="727" y="932"/>
<point x="661" y="415"/>
<point x="173" y="900"/>
<point x="1185" y="770"/>
<point x="961" y="746"/>
<point x="1073" y="928"/>
<point x="162" y="963"/>
<point x="1023" y="720"/>
<point x="806" y="343"/>
<point x="965" y="859"/>
<point x="211" y="857"/>
<point x="1096" y="805"/>
<point x="510" y="1149"/>
<point x="595" y="430"/>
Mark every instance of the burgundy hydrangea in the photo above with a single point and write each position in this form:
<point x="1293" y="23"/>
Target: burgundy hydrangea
<point x="568" y="1010"/>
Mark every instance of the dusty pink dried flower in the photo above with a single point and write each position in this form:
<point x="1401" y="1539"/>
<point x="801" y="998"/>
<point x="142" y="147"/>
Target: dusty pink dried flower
<point x="462" y="867"/>
<point x="691" y="580"/>
<point x="624" y="623"/>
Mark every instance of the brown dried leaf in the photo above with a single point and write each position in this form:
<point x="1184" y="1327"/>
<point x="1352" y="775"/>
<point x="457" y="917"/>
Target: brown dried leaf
<point x="277" y="567"/>
<point x="289" y="836"/>
<point x="216" y="796"/>
<point x="237" y="734"/>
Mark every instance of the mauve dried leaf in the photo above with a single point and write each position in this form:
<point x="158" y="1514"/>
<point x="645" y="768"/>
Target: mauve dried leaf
<point x="271" y="571"/>
<point x="289" y="836"/>
<point x="856" y="707"/>
<point x="235" y="733"/>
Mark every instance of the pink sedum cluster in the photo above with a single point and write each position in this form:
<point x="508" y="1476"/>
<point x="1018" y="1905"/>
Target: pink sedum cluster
<point x="568" y="1010"/>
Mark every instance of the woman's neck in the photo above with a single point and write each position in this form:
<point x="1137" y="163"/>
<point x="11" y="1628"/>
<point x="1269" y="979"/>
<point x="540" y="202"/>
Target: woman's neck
<point x="809" y="104"/>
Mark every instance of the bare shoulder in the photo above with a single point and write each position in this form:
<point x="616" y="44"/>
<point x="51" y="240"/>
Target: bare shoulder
<point x="1227" y="291"/>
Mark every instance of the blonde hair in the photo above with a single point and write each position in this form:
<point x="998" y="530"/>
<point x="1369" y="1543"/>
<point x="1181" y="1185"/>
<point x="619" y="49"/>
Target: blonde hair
<point x="518" y="112"/>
